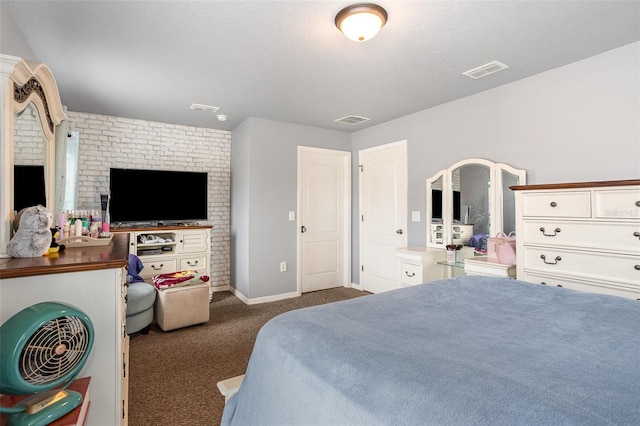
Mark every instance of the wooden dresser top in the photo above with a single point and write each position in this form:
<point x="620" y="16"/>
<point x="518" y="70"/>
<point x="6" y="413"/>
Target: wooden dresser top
<point x="114" y="255"/>
<point x="630" y="182"/>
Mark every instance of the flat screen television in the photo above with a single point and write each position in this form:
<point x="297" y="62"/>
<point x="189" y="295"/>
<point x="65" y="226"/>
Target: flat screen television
<point x="157" y="196"/>
<point x="28" y="187"/>
<point x="436" y="204"/>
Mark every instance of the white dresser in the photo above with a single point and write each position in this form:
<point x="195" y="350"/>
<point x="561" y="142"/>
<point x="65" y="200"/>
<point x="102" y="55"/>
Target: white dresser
<point x="583" y="236"/>
<point x="171" y="248"/>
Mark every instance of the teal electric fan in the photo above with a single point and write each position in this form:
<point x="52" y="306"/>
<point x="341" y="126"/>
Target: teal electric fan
<point x="42" y="350"/>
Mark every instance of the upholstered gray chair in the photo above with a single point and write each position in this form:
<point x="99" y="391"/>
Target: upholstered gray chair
<point x="140" y="300"/>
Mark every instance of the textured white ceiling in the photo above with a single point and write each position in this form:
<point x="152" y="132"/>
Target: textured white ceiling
<point x="286" y="61"/>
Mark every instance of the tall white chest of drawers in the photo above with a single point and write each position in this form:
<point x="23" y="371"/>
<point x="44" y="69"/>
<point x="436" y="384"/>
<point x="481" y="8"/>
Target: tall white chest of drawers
<point x="583" y="236"/>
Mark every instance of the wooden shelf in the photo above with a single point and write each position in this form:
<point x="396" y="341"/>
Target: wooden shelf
<point x="76" y="417"/>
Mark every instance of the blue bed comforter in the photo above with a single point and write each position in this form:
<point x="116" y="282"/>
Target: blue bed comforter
<point x="463" y="351"/>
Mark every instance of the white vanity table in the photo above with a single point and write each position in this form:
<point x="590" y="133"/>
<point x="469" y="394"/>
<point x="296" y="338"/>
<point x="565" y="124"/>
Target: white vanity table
<point x="472" y="197"/>
<point x="423" y="264"/>
<point x="481" y="265"/>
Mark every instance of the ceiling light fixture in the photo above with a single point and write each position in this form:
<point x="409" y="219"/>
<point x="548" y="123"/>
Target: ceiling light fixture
<point x="362" y="21"/>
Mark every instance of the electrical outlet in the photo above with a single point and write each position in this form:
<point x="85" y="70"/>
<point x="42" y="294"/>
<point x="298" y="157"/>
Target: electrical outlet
<point x="292" y="215"/>
<point x="415" y="216"/>
<point x="283" y="266"/>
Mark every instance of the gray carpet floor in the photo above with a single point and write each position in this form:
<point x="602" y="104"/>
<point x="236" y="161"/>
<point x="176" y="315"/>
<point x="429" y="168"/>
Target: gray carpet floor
<point x="173" y="375"/>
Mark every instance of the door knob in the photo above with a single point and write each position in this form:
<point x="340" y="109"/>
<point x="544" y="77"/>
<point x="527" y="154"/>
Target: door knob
<point x="399" y="232"/>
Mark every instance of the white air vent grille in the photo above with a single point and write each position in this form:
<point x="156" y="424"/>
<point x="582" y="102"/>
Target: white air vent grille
<point x="205" y="108"/>
<point x="485" y="70"/>
<point x="352" y="120"/>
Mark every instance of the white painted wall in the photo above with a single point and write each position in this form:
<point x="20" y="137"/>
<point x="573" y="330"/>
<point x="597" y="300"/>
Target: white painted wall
<point x="264" y="178"/>
<point x="580" y="122"/>
<point x="12" y="42"/>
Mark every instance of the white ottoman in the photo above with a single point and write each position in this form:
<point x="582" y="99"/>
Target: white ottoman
<point x="178" y="307"/>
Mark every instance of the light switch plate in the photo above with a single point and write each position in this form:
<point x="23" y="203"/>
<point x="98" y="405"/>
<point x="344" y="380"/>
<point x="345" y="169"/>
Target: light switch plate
<point x="415" y="216"/>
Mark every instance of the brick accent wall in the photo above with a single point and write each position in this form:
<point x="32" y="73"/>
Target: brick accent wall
<point x="29" y="144"/>
<point x="107" y="141"/>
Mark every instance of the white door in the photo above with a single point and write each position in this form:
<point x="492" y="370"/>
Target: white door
<point x="383" y="214"/>
<point x="324" y="212"/>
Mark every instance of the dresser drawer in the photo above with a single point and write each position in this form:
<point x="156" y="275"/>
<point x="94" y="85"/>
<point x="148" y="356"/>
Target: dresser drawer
<point x="410" y="274"/>
<point x="617" y="204"/>
<point x="603" y="236"/>
<point x="588" y="265"/>
<point x="193" y="263"/>
<point x="557" y="204"/>
<point x="158" y="266"/>
<point x="590" y="287"/>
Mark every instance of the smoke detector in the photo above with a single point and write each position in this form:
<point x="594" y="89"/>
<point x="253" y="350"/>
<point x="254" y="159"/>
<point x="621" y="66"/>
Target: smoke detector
<point x="485" y="70"/>
<point x="352" y="120"/>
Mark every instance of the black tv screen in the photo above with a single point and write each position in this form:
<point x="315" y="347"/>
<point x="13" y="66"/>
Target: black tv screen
<point x="28" y="187"/>
<point x="436" y="204"/>
<point x="158" y="196"/>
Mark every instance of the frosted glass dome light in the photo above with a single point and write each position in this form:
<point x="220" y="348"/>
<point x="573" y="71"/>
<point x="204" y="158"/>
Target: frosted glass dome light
<point x="361" y="22"/>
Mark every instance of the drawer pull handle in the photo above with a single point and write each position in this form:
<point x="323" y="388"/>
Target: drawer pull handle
<point x="157" y="268"/>
<point x="638" y="203"/>
<point x="192" y="264"/>
<point x="556" y="260"/>
<point x="557" y="285"/>
<point x="553" y="204"/>
<point x="555" y="232"/>
<point x="637" y="267"/>
<point x="636" y="234"/>
<point x="410" y="275"/>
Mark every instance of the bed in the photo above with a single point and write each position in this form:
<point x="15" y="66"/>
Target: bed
<point x="461" y="351"/>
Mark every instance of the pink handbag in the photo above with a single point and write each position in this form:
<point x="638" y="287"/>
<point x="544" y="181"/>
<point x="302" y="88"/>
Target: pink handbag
<point x="502" y="248"/>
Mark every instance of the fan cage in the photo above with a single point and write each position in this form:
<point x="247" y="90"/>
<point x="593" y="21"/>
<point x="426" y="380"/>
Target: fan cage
<point x="54" y="350"/>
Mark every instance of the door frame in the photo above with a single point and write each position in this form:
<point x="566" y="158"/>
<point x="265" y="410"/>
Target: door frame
<point x="402" y="143"/>
<point x="346" y="212"/>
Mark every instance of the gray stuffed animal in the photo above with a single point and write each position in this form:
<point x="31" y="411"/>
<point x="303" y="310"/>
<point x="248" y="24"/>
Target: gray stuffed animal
<point x="33" y="237"/>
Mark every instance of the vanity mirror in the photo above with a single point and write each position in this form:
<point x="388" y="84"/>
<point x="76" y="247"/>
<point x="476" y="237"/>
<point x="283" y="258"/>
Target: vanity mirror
<point x="30" y="110"/>
<point x="470" y="197"/>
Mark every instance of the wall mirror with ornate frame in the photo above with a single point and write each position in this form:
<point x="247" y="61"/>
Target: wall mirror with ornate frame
<point x="31" y="110"/>
<point x="469" y="198"/>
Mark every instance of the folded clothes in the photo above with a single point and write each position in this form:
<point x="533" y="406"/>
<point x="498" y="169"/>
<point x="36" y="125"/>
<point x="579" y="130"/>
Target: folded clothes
<point x="178" y="279"/>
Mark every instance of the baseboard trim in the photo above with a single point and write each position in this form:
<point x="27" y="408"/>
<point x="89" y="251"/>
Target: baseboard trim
<point x="274" y="298"/>
<point x="216" y="288"/>
<point x="265" y="299"/>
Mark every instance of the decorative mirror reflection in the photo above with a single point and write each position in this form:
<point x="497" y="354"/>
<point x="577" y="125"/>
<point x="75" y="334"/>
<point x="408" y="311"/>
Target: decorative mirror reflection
<point x="469" y="200"/>
<point x="30" y="116"/>
<point x="29" y="160"/>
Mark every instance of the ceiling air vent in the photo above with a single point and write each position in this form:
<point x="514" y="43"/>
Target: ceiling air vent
<point x="205" y="108"/>
<point x="485" y="70"/>
<point x="352" y="120"/>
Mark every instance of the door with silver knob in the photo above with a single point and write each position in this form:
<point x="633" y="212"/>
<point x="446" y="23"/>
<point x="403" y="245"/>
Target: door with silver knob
<point x="383" y="214"/>
<point x="324" y="218"/>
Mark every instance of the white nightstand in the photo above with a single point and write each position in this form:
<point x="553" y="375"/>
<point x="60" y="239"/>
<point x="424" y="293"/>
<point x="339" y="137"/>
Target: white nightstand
<point x="489" y="268"/>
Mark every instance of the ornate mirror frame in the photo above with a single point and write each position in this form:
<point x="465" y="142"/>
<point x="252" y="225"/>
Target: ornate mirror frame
<point x="496" y="199"/>
<point x="24" y="83"/>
